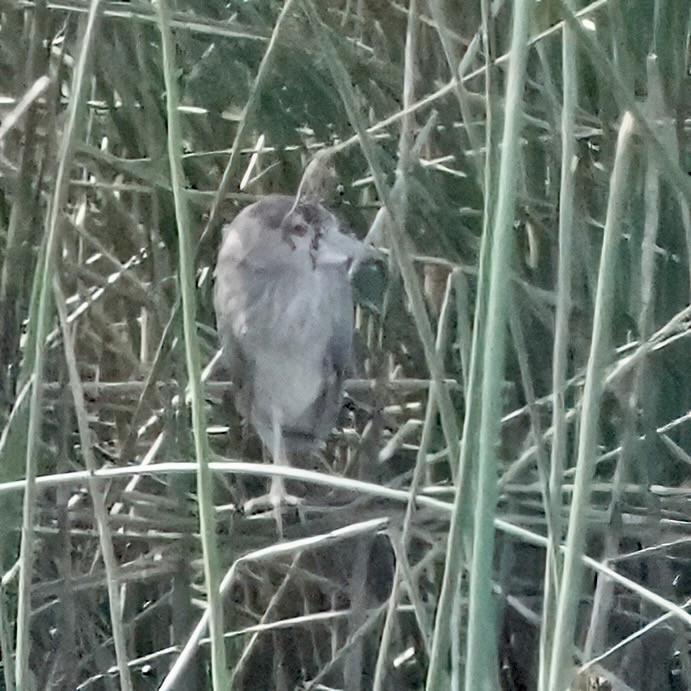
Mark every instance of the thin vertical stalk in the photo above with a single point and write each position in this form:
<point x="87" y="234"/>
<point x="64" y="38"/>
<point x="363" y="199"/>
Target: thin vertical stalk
<point x="408" y="123"/>
<point x="21" y="208"/>
<point x="605" y="592"/>
<point x="405" y="161"/>
<point x="459" y="541"/>
<point x="480" y="658"/>
<point x="96" y="490"/>
<point x="219" y="671"/>
<point x="39" y="327"/>
<point x="458" y="544"/>
<point x="561" y="342"/>
<point x="561" y="665"/>
<point x="437" y="11"/>
<point x="420" y="463"/>
<point x="626" y="100"/>
<point x="656" y="107"/>
<point x="388" y="629"/>
<point x="5" y="638"/>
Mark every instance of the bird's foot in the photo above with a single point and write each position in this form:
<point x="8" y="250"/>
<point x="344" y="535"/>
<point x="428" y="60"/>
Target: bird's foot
<point x="272" y="505"/>
<point x="271" y="502"/>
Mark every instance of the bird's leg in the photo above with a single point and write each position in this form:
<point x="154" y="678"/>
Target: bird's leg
<point x="277" y="493"/>
<point x="277" y="496"/>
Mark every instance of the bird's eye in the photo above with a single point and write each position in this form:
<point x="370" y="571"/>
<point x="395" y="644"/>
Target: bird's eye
<point x="295" y="224"/>
<point x="300" y="229"/>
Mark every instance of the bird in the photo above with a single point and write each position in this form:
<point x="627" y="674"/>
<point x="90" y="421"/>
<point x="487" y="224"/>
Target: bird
<point x="284" y="312"/>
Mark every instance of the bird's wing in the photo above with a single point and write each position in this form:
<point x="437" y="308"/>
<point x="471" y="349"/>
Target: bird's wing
<point x="337" y="359"/>
<point x="339" y="352"/>
<point x="235" y="360"/>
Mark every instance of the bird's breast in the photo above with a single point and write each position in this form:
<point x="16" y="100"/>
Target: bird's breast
<point x="287" y="332"/>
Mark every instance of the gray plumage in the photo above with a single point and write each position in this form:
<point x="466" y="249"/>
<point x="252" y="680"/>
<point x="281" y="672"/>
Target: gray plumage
<point x="284" y="311"/>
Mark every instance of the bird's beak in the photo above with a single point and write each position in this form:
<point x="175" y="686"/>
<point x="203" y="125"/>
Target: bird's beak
<point x="339" y="248"/>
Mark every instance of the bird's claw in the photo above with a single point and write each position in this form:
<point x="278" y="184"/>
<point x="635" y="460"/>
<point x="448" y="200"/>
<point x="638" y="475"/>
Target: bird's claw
<point x="271" y="502"/>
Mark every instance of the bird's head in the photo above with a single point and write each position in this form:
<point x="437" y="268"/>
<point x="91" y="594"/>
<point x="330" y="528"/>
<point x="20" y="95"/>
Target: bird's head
<point x="276" y="234"/>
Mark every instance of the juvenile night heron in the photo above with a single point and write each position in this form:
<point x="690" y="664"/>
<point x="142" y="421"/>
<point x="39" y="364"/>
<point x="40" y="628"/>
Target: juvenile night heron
<point x="284" y="311"/>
